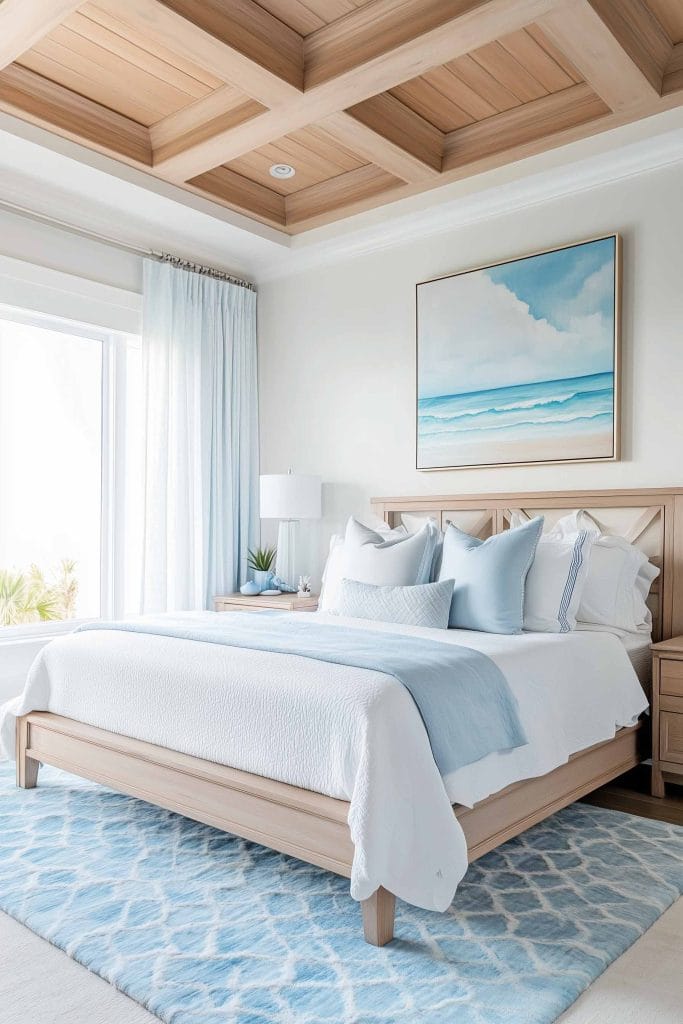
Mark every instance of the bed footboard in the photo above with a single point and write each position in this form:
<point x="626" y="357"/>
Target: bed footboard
<point x="296" y="821"/>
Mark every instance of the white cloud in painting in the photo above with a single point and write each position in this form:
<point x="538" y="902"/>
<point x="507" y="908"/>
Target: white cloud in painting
<point x="476" y="334"/>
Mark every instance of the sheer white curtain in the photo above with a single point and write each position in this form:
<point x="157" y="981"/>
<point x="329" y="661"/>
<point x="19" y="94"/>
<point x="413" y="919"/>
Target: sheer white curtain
<point x="201" y="436"/>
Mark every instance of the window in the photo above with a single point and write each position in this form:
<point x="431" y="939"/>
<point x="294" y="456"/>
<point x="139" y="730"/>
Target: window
<point x="69" y="470"/>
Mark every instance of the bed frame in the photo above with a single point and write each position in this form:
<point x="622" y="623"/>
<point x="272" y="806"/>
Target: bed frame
<point x="313" y="827"/>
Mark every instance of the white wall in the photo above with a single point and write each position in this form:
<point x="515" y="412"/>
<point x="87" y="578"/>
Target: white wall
<point x="337" y="352"/>
<point x="47" y="246"/>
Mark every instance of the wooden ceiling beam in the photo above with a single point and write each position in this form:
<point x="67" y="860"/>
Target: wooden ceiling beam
<point x="24" y="22"/>
<point x="510" y="131"/>
<point x="49" y="105"/>
<point x="618" y="46"/>
<point x="416" y="35"/>
<point x="391" y="135"/>
<point x="391" y="42"/>
<point x="238" y="42"/>
<point x="167" y="143"/>
<point x="673" y="73"/>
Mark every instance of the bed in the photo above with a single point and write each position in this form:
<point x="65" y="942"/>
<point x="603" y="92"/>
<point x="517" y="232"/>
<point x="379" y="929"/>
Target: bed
<point x="284" y="804"/>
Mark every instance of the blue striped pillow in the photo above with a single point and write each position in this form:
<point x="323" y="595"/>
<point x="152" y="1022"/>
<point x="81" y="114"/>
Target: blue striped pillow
<point x="555" y="583"/>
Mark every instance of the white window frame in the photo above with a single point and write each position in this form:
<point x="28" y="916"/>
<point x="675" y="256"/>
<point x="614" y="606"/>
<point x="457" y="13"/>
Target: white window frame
<point x="112" y="484"/>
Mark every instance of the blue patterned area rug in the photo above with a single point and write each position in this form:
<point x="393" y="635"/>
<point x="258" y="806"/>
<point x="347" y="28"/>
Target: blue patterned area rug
<point x="203" y="928"/>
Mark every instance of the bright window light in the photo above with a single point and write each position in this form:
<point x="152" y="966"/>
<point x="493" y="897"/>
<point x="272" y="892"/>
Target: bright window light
<point x="65" y="440"/>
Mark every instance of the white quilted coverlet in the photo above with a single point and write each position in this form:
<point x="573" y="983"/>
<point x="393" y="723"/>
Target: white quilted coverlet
<point x="346" y="732"/>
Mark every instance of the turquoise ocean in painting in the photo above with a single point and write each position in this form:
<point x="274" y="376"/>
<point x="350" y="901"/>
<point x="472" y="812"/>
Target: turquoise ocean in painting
<point x="550" y="408"/>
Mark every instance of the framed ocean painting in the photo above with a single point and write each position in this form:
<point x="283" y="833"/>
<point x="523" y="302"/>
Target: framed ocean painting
<point x="518" y="362"/>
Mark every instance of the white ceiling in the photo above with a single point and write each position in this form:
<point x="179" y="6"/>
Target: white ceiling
<point x="52" y="176"/>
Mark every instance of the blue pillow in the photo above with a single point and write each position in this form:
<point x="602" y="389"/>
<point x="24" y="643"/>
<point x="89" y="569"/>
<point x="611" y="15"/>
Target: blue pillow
<point x="489" y="575"/>
<point x="425" y="604"/>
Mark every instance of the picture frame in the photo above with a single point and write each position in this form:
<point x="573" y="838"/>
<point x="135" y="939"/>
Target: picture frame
<point x="518" y="362"/>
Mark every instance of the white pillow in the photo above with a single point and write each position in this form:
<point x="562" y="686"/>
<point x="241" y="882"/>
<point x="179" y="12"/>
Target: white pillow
<point x="618" y="581"/>
<point x="555" y="583"/>
<point x="370" y="557"/>
<point x="413" y="523"/>
<point x="333" y="573"/>
<point x="423" y="604"/>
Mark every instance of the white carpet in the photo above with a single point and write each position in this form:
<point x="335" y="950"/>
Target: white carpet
<point x="41" y="985"/>
<point x="644" y="986"/>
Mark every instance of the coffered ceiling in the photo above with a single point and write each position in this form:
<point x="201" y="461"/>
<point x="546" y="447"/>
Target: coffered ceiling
<point x="365" y="101"/>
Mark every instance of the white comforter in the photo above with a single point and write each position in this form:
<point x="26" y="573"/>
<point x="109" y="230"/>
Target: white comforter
<point x="347" y="732"/>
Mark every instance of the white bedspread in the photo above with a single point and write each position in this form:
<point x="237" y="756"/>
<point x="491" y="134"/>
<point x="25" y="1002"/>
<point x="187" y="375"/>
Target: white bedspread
<point x="346" y="732"/>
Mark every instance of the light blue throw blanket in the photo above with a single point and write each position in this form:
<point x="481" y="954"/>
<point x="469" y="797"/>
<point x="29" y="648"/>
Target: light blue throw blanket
<point x="466" y="704"/>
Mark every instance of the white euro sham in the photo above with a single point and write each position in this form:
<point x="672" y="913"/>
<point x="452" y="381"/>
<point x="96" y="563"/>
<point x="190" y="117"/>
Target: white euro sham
<point x="618" y="580"/>
<point x="388" y="559"/>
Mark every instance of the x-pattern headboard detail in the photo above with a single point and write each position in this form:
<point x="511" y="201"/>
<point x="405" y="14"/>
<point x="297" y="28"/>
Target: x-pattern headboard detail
<point x="649" y="518"/>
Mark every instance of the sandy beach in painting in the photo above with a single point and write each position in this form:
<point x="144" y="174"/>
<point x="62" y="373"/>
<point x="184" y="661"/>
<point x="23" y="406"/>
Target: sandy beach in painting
<point x="587" y="446"/>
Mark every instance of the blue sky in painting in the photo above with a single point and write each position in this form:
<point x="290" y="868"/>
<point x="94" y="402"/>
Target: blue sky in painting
<point x="542" y="318"/>
<point x="551" y="281"/>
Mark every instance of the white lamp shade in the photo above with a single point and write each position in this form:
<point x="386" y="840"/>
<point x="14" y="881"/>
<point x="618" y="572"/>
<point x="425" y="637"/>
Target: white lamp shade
<point x="290" y="496"/>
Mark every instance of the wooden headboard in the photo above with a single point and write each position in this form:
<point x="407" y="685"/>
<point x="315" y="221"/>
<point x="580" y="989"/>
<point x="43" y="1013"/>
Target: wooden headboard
<point x="650" y="518"/>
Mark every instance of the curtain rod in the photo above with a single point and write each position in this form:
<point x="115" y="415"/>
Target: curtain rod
<point x="116" y="243"/>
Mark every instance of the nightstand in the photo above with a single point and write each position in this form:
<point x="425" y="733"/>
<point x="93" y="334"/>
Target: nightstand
<point x="667" y="712"/>
<point x="283" y="602"/>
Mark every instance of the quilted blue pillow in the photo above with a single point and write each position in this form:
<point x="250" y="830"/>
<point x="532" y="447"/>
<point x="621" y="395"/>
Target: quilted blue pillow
<point x="424" y="604"/>
<point x="490" y="576"/>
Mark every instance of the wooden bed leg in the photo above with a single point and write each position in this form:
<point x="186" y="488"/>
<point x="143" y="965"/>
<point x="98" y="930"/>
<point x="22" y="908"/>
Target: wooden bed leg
<point x="27" y="768"/>
<point x="378" y="917"/>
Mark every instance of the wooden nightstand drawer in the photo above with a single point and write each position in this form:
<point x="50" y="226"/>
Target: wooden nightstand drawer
<point x="671" y="677"/>
<point x="247" y="603"/>
<point x="671" y="737"/>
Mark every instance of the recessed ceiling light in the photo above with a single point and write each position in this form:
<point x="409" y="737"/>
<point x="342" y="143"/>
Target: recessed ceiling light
<point x="282" y="171"/>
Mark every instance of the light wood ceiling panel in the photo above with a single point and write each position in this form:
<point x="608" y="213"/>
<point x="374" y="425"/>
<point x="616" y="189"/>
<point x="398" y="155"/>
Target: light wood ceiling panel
<point x="107" y="15"/>
<point x="242" y="194"/>
<point x="51" y="106"/>
<point x="669" y="13"/>
<point x="518" y="68"/>
<point x="93" y="60"/>
<point x="369" y="100"/>
<point x="343" y="192"/>
<point x="305" y="16"/>
<point x="22" y="24"/>
<point x="313" y="152"/>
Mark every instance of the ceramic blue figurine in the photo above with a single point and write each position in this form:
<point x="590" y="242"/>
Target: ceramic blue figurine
<point x="250" y="589"/>
<point x="279" y="584"/>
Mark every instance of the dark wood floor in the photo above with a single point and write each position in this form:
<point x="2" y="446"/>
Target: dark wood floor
<point x="631" y="793"/>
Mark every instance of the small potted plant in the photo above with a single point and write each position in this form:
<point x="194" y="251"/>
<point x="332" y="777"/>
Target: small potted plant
<point x="261" y="562"/>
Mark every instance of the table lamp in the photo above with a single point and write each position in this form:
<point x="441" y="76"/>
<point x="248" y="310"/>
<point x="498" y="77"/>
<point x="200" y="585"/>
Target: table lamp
<point x="289" y="497"/>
